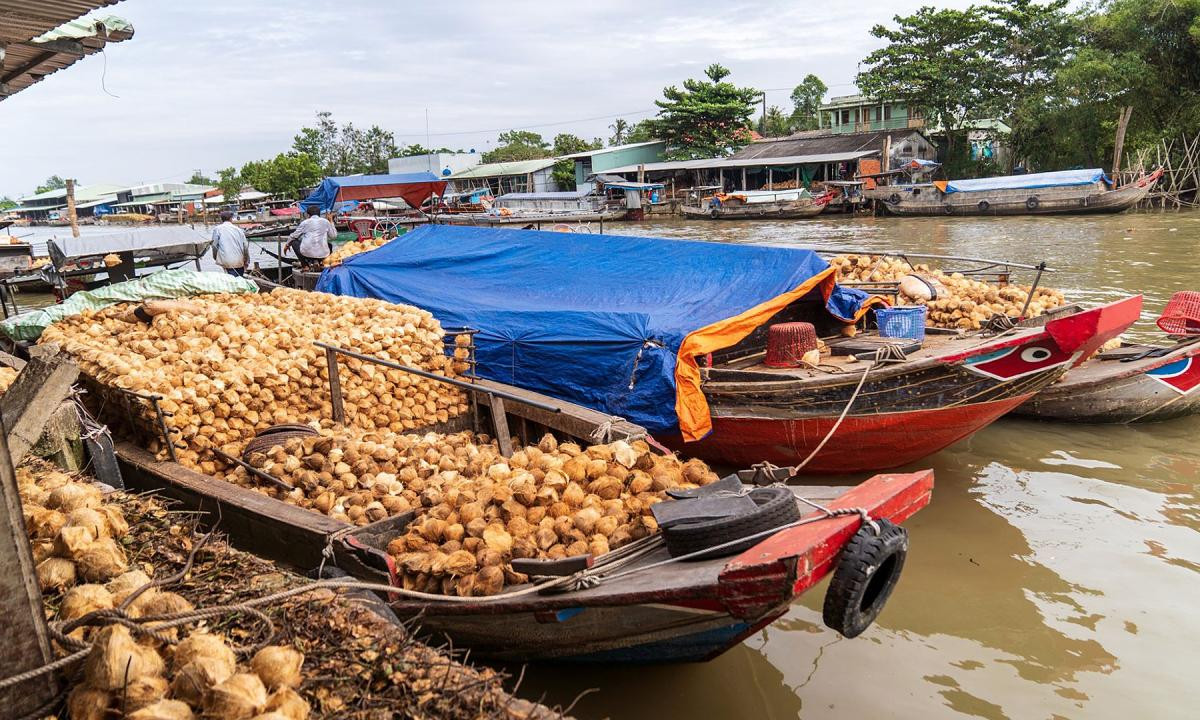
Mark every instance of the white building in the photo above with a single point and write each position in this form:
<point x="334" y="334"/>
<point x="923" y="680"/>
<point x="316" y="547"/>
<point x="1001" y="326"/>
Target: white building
<point x="440" y="164"/>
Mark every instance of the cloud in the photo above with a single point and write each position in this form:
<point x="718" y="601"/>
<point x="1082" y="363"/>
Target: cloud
<point x="218" y="84"/>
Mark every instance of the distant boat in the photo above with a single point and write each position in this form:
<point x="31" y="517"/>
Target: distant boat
<point x="759" y="205"/>
<point x="1067" y="191"/>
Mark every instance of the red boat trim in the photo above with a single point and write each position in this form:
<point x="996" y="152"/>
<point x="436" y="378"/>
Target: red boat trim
<point x="1086" y="331"/>
<point x="749" y="585"/>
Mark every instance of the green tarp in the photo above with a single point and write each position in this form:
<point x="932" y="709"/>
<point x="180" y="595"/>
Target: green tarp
<point x="167" y="284"/>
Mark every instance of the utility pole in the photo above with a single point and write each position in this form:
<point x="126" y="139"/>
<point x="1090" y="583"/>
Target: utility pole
<point x="72" y="217"/>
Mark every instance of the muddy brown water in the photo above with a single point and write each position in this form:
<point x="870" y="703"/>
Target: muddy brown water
<point x="1053" y="576"/>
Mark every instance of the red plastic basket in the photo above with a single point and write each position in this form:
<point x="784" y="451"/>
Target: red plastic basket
<point x="1181" y="316"/>
<point x="787" y="343"/>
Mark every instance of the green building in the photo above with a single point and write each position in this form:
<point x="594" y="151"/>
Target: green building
<point x="597" y="161"/>
<point x="858" y="113"/>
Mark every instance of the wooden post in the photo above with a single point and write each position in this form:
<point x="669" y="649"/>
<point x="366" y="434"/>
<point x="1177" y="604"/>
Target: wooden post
<point x="886" y="165"/>
<point x="1119" y="142"/>
<point x="743" y="178"/>
<point x="71" y="215"/>
<point x="34" y="396"/>
<point x="26" y="643"/>
<point x="641" y="173"/>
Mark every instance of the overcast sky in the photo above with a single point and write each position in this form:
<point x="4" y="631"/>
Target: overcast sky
<point x="213" y="84"/>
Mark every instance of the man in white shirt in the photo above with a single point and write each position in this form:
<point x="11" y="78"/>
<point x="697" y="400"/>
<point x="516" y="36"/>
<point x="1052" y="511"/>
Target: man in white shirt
<point x="230" y="248"/>
<point x="312" y="240"/>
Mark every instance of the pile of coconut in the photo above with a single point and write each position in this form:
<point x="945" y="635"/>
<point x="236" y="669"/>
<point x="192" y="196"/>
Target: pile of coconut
<point x="350" y="249"/>
<point x="231" y="365"/>
<point x="75" y="538"/>
<point x="954" y="300"/>
<point x="475" y="509"/>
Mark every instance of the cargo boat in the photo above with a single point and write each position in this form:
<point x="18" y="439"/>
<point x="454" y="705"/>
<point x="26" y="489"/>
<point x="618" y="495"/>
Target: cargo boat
<point x="759" y="205"/>
<point x="1051" y="193"/>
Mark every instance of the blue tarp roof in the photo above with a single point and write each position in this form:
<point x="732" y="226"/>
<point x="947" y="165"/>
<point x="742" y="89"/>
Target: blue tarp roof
<point x="594" y="319"/>
<point x="1062" y="178"/>
<point x="327" y="192"/>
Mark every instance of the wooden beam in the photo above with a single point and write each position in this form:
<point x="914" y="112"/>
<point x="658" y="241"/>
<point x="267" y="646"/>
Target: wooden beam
<point x="20" y="70"/>
<point x="34" y="396"/>
<point x="26" y="643"/>
<point x="63" y="46"/>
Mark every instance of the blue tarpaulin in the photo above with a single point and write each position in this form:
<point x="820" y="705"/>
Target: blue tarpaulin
<point x="607" y="321"/>
<point x="414" y="188"/>
<point x="1063" y="178"/>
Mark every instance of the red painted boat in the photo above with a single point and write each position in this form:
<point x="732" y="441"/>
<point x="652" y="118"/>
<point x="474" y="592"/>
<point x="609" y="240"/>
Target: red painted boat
<point x="953" y="386"/>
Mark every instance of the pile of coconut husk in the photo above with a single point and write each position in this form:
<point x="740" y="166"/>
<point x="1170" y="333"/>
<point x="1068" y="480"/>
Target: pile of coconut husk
<point x="357" y="662"/>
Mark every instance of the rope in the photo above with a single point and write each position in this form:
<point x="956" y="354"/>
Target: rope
<point x="603" y="434"/>
<point x="845" y="411"/>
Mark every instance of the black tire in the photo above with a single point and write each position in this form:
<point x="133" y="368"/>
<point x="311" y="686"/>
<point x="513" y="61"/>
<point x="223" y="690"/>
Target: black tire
<point x="948" y="208"/>
<point x="1032" y="203"/>
<point x="262" y="443"/>
<point x="776" y="507"/>
<point x="894" y="198"/>
<point x="984" y="205"/>
<point x="864" y="578"/>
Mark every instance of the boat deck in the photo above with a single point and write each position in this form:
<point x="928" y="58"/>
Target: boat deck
<point x="1114" y="364"/>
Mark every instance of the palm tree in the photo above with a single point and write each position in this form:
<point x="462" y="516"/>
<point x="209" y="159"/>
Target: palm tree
<point x="620" y="128"/>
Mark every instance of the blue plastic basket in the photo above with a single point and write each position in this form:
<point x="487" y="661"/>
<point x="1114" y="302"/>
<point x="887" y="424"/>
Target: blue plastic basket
<point x="907" y="321"/>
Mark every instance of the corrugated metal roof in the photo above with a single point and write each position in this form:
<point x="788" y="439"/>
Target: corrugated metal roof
<point x="733" y="162"/>
<point x="83" y="193"/>
<point x="814" y="142"/>
<point x="517" y="167"/>
<point x="614" y="148"/>
<point x="44" y="37"/>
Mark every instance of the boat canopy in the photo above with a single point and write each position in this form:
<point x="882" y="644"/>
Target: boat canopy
<point x="610" y="322"/>
<point x="1062" y="178"/>
<point x="414" y="188"/>
<point x="144" y="243"/>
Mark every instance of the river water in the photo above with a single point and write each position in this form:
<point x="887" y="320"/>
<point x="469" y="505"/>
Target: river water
<point x="1055" y="573"/>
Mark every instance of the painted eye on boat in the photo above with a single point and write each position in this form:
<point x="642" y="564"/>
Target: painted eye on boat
<point x="1035" y="354"/>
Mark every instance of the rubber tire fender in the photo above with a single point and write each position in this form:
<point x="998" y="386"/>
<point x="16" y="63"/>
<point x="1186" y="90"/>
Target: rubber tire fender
<point x="1032" y="203"/>
<point x="894" y="198"/>
<point x="866" y="574"/>
<point x="984" y="205"/>
<point x="948" y="208"/>
<point x="776" y="507"/>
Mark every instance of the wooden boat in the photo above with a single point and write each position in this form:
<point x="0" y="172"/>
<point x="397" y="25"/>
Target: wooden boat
<point x="1133" y="383"/>
<point x="1067" y="192"/>
<point x="759" y="205"/>
<point x="653" y="611"/>
<point x="951" y="387"/>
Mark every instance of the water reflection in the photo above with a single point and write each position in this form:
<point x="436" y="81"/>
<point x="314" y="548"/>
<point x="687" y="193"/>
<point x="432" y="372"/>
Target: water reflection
<point x="1052" y="576"/>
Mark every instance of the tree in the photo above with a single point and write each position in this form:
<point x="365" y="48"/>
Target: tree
<point x="943" y="63"/>
<point x="620" y="129"/>
<point x="199" y="178"/>
<point x="776" y="123"/>
<point x="806" y="102"/>
<point x="345" y="150"/>
<point x="286" y="174"/>
<point x="53" y="182"/>
<point x="230" y="183"/>
<point x="642" y="131"/>
<point x="7" y="203"/>
<point x="706" y="118"/>
<point x="518" y="145"/>
<point x="418" y="149"/>
<point x="563" y="173"/>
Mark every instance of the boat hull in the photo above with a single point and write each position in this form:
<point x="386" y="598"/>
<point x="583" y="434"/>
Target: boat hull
<point x="1110" y="391"/>
<point x="1073" y="200"/>
<point x="900" y="413"/>
<point x="790" y="210"/>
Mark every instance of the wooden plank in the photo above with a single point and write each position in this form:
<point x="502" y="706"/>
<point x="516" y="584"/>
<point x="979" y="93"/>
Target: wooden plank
<point x="500" y="423"/>
<point x="34" y="396"/>
<point x="573" y="420"/>
<point x="26" y="643"/>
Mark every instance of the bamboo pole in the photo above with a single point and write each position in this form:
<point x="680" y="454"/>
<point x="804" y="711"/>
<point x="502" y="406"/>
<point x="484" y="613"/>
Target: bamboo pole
<point x="1119" y="144"/>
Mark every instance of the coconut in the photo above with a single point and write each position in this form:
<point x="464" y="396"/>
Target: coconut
<point x="89" y="518"/>
<point x="44" y="523"/>
<point x="73" y="496"/>
<point x="85" y="703"/>
<point x="83" y="599"/>
<point x="278" y="666"/>
<point x="72" y="540"/>
<point x="273" y="715"/>
<point x="288" y="703"/>
<point x="122" y="586"/>
<point x="157" y="604"/>
<point x="203" y="644"/>
<point x="143" y="692"/>
<point x="101" y="561"/>
<point x="193" y="681"/>
<point x="240" y="697"/>
<point x="163" y="710"/>
<point x="55" y="573"/>
<point x="115" y="659"/>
